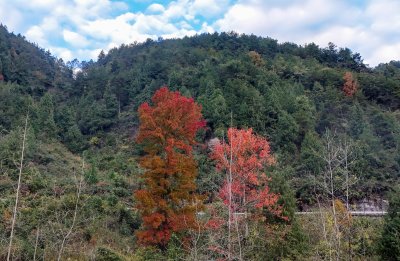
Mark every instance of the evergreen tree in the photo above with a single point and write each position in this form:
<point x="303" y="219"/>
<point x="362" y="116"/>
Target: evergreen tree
<point x="389" y="246"/>
<point x="45" y="124"/>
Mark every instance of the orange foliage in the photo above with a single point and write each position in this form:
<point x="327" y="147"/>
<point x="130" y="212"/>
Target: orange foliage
<point x="167" y="129"/>
<point x="256" y="58"/>
<point x="344" y="217"/>
<point x="350" y="84"/>
<point x="249" y="187"/>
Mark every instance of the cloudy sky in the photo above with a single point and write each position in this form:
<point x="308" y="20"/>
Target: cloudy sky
<point x="81" y="28"/>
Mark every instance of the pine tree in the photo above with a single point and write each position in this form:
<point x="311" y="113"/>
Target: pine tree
<point x="46" y="125"/>
<point x="390" y="240"/>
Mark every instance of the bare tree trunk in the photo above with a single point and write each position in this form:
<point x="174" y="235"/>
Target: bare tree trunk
<point x="246" y="234"/>
<point x="230" y="197"/>
<point x="337" y="235"/>
<point x="193" y="252"/>
<point x="78" y="194"/>
<point x="322" y="220"/>
<point x="346" y="148"/>
<point x="331" y="157"/>
<point x="337" y="160"/>
<point x="325" y="234"/>
<point x="238" y="236"/>
<point x="119" y="107"/>
<point x="36" y="243"/>
<point x="346" y="153"/>
<point x="18" y="188"/>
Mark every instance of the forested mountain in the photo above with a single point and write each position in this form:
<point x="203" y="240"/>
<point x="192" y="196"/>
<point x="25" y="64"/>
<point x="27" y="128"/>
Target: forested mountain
<point x="318" y="108"/>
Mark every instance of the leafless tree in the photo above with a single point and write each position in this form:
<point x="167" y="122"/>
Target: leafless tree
<point x="79" y="183"/>
<point x="14" y="218"/>
<point x="331" y="157"/>
<point x="337" y="155"/>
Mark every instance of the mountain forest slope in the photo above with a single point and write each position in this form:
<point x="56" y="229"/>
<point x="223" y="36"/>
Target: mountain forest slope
<point x="82" y="122"/>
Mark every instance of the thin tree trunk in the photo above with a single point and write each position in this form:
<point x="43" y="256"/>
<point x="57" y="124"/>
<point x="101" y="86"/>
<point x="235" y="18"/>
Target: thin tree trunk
<point x="36" y="243"/>
<point x="345" y="155"/>
<point x="230" y="196"/>
<point x="238" y="236"/>
<point x="325" y="234"/>
<point x="330" y="158"/>
<point x="18" y="188"/>
<point x="119" y="107"/>
<point x="246" y="234"/>
<point x="346" y="152"/>
<point x="324" y="228"/>
<point x="334" y="212"/>
<point x="78" y="194"/>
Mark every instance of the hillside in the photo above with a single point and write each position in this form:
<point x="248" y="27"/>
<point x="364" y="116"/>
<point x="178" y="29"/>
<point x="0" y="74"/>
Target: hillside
<point x="84" y="125"/>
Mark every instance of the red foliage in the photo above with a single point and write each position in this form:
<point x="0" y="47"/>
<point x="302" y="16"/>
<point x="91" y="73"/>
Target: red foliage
<point x="249" y="186"/>
<point x="167" y="129"/>
<point x="350" y="84"/>
<point x="215" y="223"/>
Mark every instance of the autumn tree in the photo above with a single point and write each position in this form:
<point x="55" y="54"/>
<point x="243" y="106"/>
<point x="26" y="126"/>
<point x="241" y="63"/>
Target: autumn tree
<point x="350" y="84"/>
<point x="256" y="58"/>
<point x="167" y="130"/>
<point x="245" y="157"/>
<point x="245" y="191"/>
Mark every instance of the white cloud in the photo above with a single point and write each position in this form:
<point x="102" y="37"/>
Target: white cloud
<point x="205" y="28"/>
<point x="36" y="34"/>
<point x="209" y="8"/>
<point x="41" y="4"/>
<point x="156" y="8"/>
<point x="10" y="15"/>
<point x="75" y="39"/>
<point x="90" y="53"/>
<point x="286" y="22"/>
<point x="386" y="53"/>
<point x="63" y="53"/>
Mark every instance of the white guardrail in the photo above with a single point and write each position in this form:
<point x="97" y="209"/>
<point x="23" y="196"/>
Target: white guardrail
<point x="353" y="213"/>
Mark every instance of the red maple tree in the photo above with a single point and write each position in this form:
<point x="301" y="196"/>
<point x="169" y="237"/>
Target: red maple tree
<point x="243" y="159"/>
<point x="245" y="192"/>
<point x="167" y="129"/>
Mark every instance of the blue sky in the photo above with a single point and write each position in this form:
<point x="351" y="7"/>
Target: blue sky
<point x="81" y="28"/>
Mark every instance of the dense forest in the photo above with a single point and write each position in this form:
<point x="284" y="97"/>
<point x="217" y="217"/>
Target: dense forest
<point x="82" y="145"/>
